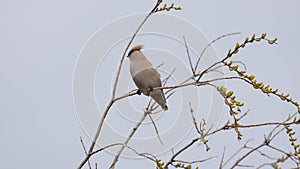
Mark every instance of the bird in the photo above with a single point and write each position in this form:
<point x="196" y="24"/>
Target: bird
<point x="146" y="77"/>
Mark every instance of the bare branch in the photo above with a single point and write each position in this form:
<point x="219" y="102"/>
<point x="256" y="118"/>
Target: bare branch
<point x="236" y="153"/>
<point x="164" y="81"/>
<point x="221" y="162"/>
<point x="156" y="130"/>
<point x="194" y="119"/>
<point x="208" y="45"/>
<point x="247" y="154"/>
<point x="127" y="140"/>
<point x="180" y="151"/>
<point x="265" y="143"/>
<point x="189" y="57"/>
<point x="196" y="161"/>
<point x="83" y="146"/>
<point x="96" y="135"/>
<point x="106" y="147"/>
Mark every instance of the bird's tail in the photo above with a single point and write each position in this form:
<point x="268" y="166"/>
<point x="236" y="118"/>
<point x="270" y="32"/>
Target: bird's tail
<point x="160" y="99"/>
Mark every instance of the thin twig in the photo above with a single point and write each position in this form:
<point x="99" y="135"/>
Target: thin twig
<point x="196" y="161"/>
<point x="164" y="81"/>
<point x="289" y="155"/>
<point x="106" y="147"/>
<point x="160" y="65"/>
<point x="247" y="154"/>
<point x="156" y="130"/>
<point x="146" y="155"/>
<point x="236" y="153"/>
<point x="83" y="146"/>
<point x="194" y="119"/>
<point x="222" y="159"/>
<point x="265" y="143"/>
<point x="127" y="140"/>
<point x="96" y="135"/>
<point x="208" y="45"/>
<point x="189" y="57"/>
<point x="180" y="151"/>
<point x="245" y="166"/>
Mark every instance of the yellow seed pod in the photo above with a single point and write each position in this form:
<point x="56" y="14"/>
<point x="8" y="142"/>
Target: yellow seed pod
<point x="251" y="77"/>
<point x="229" y="52"/>
<point x="237" y="45"/>
<point x="259" y="83"/>
<point x="292" y="133"/>
<point x="253" y="38"/>
<point x="246" y="40"/>
<point x="229" y="94"/>
<point x="235" y="51"/>
<point x="232" y="106"/>
<point x="224" y="89"/>
<point x="239" y="103"/>
<point x="178" y="165"/>
<point x="293" y="139"/>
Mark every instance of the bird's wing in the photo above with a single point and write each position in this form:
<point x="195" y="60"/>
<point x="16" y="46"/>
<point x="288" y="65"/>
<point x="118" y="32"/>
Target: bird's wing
<point x="146" y="79"/>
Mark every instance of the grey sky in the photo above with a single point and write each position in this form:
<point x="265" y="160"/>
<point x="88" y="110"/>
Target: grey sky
<point x="40" y="42"/>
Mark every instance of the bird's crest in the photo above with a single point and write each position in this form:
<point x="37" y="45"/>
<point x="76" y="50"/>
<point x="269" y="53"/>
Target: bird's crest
<point x="138" y="47"/>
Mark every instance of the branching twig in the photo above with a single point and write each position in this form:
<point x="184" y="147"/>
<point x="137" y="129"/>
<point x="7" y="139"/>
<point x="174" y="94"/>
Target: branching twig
<point x="196" y="161"/>
<point x="180" y="151"/>
<point x="127" y="140"/>
<point x="208" y="45"/>
<point x="83" y="146"/>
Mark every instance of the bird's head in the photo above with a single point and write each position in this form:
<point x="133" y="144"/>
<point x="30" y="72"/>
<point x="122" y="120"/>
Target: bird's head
<point x="134" y="49"/>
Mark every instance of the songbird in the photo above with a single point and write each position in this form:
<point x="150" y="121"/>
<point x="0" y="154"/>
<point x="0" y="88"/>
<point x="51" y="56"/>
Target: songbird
<point x="145" y="76"/>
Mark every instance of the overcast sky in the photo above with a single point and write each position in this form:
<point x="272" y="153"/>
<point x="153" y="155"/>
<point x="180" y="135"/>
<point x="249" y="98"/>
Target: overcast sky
<point x="41" y="41"/>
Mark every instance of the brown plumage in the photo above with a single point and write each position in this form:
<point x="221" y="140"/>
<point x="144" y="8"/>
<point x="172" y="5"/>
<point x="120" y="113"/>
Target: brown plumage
<point x="145" y="76"/>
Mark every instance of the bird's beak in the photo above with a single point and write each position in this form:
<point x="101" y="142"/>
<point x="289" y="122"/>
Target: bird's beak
<point x="127" y="56"/>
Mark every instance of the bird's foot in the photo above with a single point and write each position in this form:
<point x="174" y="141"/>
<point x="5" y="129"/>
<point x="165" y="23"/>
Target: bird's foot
<point x="149" y="90"/>
<point x="138" y="92"/>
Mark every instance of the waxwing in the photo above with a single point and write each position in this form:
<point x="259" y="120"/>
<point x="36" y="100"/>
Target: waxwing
<point x="145" y="76"/>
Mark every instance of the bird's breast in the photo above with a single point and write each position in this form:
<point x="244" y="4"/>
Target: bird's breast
<point x="139" y="66"/>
